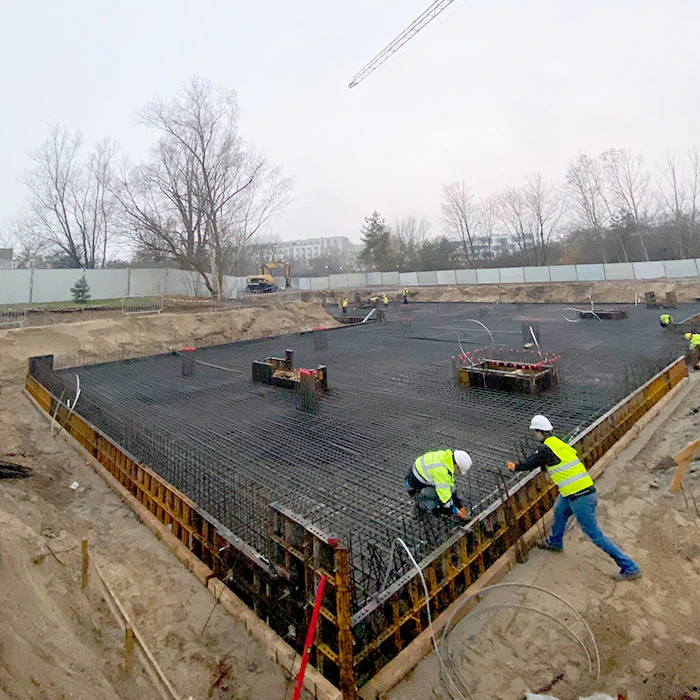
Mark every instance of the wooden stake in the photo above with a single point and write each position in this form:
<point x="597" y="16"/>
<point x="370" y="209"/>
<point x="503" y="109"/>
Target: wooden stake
<point x="128" y="650"/>
<point x="86" y="562"/>
<point x="683" y="458"/>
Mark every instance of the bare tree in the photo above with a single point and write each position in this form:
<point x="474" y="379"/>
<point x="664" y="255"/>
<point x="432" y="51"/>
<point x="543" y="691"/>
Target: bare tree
<point x="70" y="200"/>
<point x="487" y="224"/>
<point x="514" y="217"/>
<point x="460" y="215"/>
<point x="545" y="206"/>
<point x="679" y="193"/>
<point x="409" y="234"/>
<point x="205" y="193"/>
<point x="591" y="209"/>
<point x="628" y="183"/>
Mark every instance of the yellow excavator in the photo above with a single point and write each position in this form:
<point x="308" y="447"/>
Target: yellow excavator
<point x="264" y="283"/>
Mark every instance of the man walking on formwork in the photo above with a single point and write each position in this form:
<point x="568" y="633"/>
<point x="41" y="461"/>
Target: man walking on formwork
<point x="577" y="496"/>
<point x="431" y="482"/>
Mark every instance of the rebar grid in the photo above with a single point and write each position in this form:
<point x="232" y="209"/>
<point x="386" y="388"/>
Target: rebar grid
<point x="234" y="446"/>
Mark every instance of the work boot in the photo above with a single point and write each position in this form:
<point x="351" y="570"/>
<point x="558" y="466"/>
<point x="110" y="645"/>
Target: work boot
<point x="627" y="575"/>
<point x="545" y="544"/>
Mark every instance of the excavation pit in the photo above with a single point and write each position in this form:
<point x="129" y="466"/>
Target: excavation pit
<point x="280" y="497"/>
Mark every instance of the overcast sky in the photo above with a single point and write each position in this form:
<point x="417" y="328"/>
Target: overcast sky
<point x="490" y="91"/>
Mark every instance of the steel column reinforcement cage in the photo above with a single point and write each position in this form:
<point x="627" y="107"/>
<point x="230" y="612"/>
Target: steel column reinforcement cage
<point x="352" y="643"/>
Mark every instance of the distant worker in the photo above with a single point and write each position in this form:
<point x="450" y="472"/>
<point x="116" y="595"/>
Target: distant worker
<point x="374" y="301"/>
<point x="665" y="320"/>
<point x="385" y="300"/>
<point x="431" y="482"/>
<point x="577" y="496"/>
<point x="405" y="295"/>
<point x="345" y="305"/>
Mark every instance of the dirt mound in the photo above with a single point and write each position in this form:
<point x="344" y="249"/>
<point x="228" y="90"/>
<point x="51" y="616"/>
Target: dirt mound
<point x="132" y="336"/>
<point x="544" y="293"/>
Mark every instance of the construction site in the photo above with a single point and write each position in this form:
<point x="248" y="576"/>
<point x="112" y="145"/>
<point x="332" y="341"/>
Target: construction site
<point x="279" y="461"/>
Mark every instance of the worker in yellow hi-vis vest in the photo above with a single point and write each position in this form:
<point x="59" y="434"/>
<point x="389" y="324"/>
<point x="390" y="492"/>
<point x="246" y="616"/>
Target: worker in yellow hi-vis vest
<point x="577" y="495"/>
<point x="431" y="482"/>
<point x="665" y="320"/>
<point x="345" y="305"/>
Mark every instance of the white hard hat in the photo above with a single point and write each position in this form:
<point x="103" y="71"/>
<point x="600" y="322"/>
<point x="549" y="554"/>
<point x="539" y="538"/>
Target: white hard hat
<point x="541" y="423"/>
<point x="463" y="460"/>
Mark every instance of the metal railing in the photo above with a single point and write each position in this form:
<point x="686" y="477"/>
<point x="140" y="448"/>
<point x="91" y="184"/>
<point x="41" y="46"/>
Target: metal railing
<point x="147" y="304"/>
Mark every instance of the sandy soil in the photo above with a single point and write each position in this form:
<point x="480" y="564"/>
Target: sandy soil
<point x="550" y="293"/>
<point x="58" y="641"/>
<point x="648" y="631"/>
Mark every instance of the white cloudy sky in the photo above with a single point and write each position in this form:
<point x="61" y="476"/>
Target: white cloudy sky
<point x="490" y="91"/>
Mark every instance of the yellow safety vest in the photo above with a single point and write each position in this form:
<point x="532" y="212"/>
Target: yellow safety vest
<point x="405" y="291"/>
<point x="437" y="469"/>
<point x="385" y="299"/>
<point x="568" y="474"/>
<point x="345" y="302"/>
<point x="695" y="341"/>
<point x="665" y="318"/>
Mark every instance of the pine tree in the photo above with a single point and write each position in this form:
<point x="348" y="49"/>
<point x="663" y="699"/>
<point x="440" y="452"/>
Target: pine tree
<point x="81" y="291"/>
<point x="376" y="236"/>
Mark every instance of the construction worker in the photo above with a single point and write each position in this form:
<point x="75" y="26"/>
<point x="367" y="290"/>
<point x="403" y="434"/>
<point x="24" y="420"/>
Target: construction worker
<point x="577" y="496"/>
<point x="665" y="320"/>
<point x="405" y="295"/>
<point x="345" y="305"/>
<point x="385" y="300"/>
<point x="374" y="301"/>
<point x="693" y="340"/>
<point x="431" y="482"/>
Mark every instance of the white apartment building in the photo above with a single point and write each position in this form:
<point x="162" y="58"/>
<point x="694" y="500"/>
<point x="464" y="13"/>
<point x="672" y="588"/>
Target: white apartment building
<point x="312" y="248"/>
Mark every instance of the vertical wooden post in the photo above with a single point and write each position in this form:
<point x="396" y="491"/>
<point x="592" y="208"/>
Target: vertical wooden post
<point x="128" y="650"/>
<point x="344" y="618"/>
<point x="86" y="561"/>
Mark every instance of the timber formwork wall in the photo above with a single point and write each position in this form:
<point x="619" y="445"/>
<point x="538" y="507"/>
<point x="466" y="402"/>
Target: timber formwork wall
<point x="349" y="648"/>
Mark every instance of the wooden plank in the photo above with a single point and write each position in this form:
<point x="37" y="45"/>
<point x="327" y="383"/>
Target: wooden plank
<point x="683" y="458"/>
<point x="154" y="671"/>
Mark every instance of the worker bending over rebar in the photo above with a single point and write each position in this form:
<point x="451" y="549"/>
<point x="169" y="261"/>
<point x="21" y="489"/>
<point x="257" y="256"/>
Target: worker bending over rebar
<point x="431" y="482"/>
<point x="577" y="496"/>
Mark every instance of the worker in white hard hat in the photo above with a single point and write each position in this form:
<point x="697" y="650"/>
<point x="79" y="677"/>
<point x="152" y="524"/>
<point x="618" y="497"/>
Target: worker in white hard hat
<point x="431" y="482"/>
<point x="577" y="495"/>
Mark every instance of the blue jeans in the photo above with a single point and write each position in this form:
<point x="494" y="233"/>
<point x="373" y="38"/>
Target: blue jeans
<point x="584" y="508"/>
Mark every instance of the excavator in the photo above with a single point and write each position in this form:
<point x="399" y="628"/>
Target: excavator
<point x="264" y="283"/>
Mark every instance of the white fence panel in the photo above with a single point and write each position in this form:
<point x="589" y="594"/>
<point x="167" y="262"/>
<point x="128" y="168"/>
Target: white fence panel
<point x="466" y="276"/>
<point x="351" y="280"/>
<point x="107" y="284"/>
<point x="304" y="283"/>
<point x="318" y="282"/>
<point x="446" y="277"/>
<point x="54" y="285"/>
<point x="648" y="270"/>
<point x="619" y="271"/>
<point x="590" y="273"/>
<point x="148" y="281"/>
<point x="562" y="273"/>
<point x="680" y="268"/>
<point x="427" y="277"/>
<point x="511" y="275"/>
<point x="489" y="276"/>
<point x="536" y="274"/>
<point x="185" y="282"/>
<point x="14" y="286"/>
<point x="390" y="278"/>
<point x="374" y="279"/>
<point x="408" y="279"/>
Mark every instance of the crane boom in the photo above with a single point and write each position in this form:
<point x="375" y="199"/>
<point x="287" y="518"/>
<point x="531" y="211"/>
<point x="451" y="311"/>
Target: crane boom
<point x="428" y="16"/>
